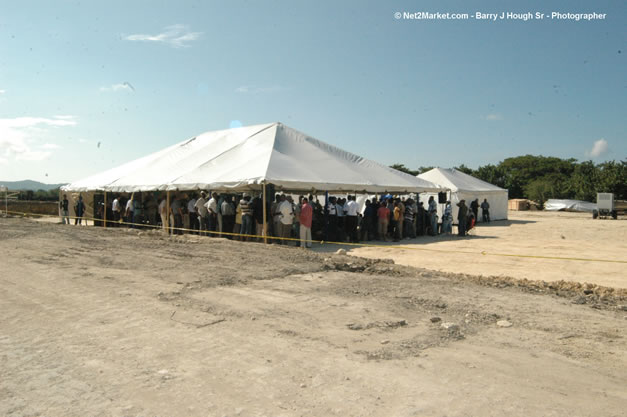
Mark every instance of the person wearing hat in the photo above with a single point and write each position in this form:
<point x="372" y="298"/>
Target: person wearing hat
<point x="461" y="218"/>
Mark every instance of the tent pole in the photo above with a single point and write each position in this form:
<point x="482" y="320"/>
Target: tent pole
<point x="265" y="226"/>
<point x="167" y="212"/>
<point x="105" y="210"/>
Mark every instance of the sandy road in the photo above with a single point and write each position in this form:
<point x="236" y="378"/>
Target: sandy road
<point x="526" y="233"/>
<point x="108" y="323"/>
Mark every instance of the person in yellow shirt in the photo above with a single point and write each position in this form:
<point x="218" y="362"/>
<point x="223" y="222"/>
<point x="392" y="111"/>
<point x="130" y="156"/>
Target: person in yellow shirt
<point x="396" y="221"/>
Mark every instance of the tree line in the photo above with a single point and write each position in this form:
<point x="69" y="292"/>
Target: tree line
<point x="39" y="195"/>
<point x="539" y="178"/>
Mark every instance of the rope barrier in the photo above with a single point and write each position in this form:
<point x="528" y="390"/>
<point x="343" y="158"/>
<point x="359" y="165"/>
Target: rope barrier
<point x="323" y="242"/>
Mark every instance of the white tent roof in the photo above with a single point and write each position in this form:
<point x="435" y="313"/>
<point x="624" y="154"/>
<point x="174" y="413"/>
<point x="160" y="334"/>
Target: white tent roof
<point x="458" y="181"/>
<point x="244" y="158"/>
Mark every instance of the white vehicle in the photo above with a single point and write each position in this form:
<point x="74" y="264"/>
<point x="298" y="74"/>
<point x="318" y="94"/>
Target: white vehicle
<point x="605" y="206"/>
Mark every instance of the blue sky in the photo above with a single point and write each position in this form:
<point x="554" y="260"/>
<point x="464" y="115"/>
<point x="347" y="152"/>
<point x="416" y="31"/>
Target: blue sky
<point x="88" y="85"/>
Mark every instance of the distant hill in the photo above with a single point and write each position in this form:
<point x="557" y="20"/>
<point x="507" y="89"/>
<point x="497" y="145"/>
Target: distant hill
<point x="29" y="185"/>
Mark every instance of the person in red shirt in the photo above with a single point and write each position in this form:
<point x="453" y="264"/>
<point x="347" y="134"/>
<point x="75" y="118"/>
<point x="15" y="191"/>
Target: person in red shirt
<point x="383" y="216"/>
<point x="306" y="216"/>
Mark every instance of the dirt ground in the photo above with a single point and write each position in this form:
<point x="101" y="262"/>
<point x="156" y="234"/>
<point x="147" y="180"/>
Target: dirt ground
<point x="114" y="322"/>
<point x="547" y="234"/>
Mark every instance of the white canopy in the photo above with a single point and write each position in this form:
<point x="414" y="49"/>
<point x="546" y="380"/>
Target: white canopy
<point x="244" y="158"/>
<point x="466" y="187"/>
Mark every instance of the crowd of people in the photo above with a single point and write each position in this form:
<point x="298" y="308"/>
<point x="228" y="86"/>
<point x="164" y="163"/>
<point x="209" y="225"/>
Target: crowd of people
<point x="288" y="219"/>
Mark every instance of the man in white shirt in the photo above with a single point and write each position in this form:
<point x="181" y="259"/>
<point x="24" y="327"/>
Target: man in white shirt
<point x="351" y="219"/>
<point x="129" y="212"/>
<point x="115" y="207"/>
<point x="287" y="218"/>
<point x="212" y="209"/>
<point x="163" y="212"/>
<point x="193" y="215"/>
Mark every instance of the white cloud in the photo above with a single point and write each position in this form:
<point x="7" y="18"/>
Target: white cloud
<point x="599" y="148"/>
<point x="177" y="36"/>
<point x="3" y="91"/>
<point x="18" y="134"/>
<point x="494" y="116"/>
<point x="246" y="89"/>
<point x="50" y="146"/>
<point x="125" y="86"/>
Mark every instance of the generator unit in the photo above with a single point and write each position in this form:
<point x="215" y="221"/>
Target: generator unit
<point x="605" y="206"/>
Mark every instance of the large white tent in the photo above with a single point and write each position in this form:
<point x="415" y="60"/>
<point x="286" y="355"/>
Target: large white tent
<point x="245" y="158"/>
<point x="466" y="187"/>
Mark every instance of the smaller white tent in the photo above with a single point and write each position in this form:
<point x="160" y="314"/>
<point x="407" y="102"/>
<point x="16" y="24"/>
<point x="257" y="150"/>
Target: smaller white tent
<point x="466" y="187"/>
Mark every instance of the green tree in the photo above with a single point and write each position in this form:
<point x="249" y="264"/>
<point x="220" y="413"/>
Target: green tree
<point x="403" y="168"/>
<point x="613" y="179"/>
<point x="463" y="168"/>
<point x="583" y="182"/>
<point x="492" y="174"/>
<point x="540" y="190"/>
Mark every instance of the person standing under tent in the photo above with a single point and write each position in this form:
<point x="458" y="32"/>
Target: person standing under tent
<point x="414" y="209"/>
<point x="420" y="219"/>
<point x="433" y="213"/>
<point x="276" y="216"/>
<point x="287" y="218"/>
<point x="138" y="210"/>
<point x="247" y="217"/>
<point x="369" y="221"/>
<point x="396" y="216"/>
<point x="212" y="210"/>
<point x="163" y="213"/>
<point x="341" y="220"/>
<point x="351" y="219"/>
<point x="447" y="219"/>
<point x="64" y="205"/>
<point x="332" y="219"/>
<point x="116" y="208"/>
<point x="383" y="216"/>
<point x="219" y="212"/>
<point x="461" y="218"/>
<point x="408" y="222"/>
<point x="305" y="219"/>
<point x="193" y="214"/>
<point x="401" y="220"/>
<point x="296" y="218"/>
<point x="151" y="210"/>
<point x="128" y="211"/>
<point x="79" y="208"/>
<point x="201" y="212"/>
<point x="485" y="211"/>
<point x="228" y="217"/>
<point x="176" y="209"/>
<point x="474" y="206"/>
<point x="257" y="217"/>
